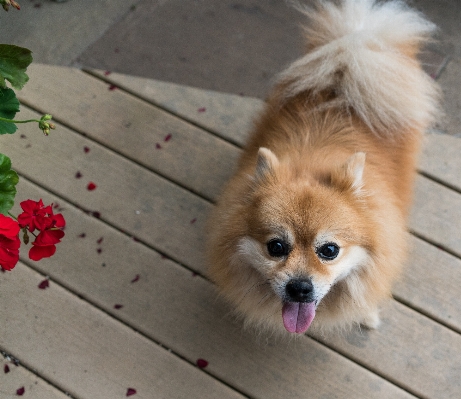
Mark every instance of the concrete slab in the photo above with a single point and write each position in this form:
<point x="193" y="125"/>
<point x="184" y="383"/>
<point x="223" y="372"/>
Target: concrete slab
<point x="227" y="45"/>
<point x="58" y="32"/>
<point x="446" y="14"/>
<point x="234" y="46"/>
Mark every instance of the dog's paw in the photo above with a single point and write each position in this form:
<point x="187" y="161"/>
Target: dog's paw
<point x="372" y="320"/>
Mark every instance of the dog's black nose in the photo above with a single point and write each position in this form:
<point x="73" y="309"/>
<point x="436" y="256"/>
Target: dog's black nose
<point x="300" y="290"/>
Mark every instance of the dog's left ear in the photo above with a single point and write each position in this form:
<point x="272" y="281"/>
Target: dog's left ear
<point x="349" y="176"/>
<point x="266" y="165"/>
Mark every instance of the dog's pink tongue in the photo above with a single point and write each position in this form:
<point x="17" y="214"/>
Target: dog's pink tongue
<point x="298" y="316"/>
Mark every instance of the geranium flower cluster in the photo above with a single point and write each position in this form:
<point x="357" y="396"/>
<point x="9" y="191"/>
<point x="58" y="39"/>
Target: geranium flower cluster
<point x="36" y="217"/>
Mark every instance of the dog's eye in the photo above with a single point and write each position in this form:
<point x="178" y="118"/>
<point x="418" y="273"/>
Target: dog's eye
<point x="277" y="248"/>
<point x="328" y="251"/>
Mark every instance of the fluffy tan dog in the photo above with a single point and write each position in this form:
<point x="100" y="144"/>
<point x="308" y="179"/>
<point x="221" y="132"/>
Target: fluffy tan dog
<point x="312" y="227"/>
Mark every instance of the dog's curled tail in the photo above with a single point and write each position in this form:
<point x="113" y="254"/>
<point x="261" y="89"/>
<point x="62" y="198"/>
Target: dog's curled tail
<point x="363" y="52"/>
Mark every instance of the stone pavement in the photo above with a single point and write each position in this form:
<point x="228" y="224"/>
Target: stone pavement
<point x="234" y="46"/>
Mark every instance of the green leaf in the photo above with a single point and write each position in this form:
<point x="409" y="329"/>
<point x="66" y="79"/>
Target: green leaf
<point x="8" y="180"/>
<point x="9" y="105"/>
<point x="14" y="61"/>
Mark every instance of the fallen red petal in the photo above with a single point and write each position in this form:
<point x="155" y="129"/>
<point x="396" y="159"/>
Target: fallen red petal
<point x="99" y="250"/>
<point x="100" y="240"/>
<point x="20" y="391"/>
<point x="118" y="306"/>
<point x="135" y="279"/>
<point x="78" y="175"/>
<point x="86" y="149"/>
<point x="44" y="284"/>
<point x="130" y="392"/>
<point x="83" y="235"/>
<point x="158" y="146"/>
<point x="107" y="73"/>
<point x="202" y="109"/>
<point x="167" y="138"/>
<point x="6" y="369"/>
<point x="201" y="363"/>
<point x="113" y="87"/>
<point x="91" y="186"/>
<point x="96" y="214"/>
<point x="193" y="220"/>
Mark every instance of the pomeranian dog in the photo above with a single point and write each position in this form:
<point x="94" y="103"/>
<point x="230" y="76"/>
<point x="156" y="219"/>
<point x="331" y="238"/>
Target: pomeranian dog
<point x="311" y="229"/>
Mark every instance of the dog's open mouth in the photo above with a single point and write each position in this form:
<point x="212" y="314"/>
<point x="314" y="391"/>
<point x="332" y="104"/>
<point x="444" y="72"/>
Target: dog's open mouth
<point x="298" y="316"/>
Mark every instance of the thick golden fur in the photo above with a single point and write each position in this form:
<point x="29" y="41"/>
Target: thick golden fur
<point x="314" y="165"/>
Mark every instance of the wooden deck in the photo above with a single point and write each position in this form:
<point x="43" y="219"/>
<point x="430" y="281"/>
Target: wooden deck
<point x="158" y="154"/>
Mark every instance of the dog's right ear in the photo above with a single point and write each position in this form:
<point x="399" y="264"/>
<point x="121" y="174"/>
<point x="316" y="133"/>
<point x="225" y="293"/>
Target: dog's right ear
<point x="266" y="164"/>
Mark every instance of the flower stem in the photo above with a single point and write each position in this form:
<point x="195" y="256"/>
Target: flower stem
<point x="14" y="121"/>
<point x="14" y="217"/>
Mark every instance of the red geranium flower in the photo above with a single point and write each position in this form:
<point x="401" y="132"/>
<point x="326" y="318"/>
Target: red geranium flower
<point x="9" y="242"/>
<point x="44" y="245"/>
<point x="35" y="215"/>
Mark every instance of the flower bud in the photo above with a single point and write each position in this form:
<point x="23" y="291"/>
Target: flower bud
<point x="25" y="237"/>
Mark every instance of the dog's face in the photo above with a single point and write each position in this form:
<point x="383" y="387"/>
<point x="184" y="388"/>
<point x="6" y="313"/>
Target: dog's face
<point x="303" y="235"/>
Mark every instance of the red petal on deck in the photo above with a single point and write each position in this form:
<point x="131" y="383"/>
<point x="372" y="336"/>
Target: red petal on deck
<point x="44" y="284"/>
<point x="201" y="363"/>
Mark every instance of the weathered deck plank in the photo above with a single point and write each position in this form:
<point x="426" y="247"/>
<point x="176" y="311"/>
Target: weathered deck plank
<point x="227" y="115"/>
<point x="421" y="351"/>
<point x="86" y="351"/>
<point x="108" y="194"/>
<point x="430" y="283"/>
<point x="436" y="214"/>
<point x="139" y="131"/>
<point x="441" y="159"/>
<point x="170" y="219"/>
<point x="231" y="117"/>
<point x="18" y="377"/>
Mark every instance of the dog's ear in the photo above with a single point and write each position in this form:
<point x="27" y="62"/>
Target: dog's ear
<point x="266" y="164"/>
<point x="349" y="176"/>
